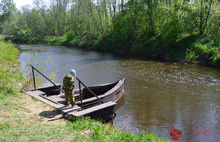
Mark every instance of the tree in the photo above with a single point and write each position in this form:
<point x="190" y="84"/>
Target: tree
<point x="7" y="9"/>
<point x="202" y="28"/>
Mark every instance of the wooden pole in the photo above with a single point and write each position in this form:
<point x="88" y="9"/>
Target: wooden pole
<point x="114" y="116"/>
<point x="90" y="90"/>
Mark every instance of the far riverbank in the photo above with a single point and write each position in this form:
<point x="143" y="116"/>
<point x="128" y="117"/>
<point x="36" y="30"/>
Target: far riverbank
<point x="196" y="49"/>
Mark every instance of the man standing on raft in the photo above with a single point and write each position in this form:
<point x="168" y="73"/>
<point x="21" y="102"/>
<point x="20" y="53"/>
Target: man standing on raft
<point x="68" y="87"/>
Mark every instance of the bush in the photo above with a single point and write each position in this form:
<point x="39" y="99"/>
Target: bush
<point x="70" y="35"/>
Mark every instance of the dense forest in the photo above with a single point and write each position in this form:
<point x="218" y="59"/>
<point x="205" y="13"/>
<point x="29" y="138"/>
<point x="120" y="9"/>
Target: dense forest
<point x="184" y="29"/>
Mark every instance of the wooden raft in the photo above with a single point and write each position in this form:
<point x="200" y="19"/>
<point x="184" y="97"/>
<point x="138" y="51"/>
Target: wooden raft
<point x="76" y="111"/>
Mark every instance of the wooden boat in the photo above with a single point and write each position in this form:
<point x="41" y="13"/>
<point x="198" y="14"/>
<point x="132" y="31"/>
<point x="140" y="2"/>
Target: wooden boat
<point x="105" y="92"/>
<point x="97" y="107"/>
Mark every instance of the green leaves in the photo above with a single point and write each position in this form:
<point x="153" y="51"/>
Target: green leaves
<point x="41" y="66"/>
<point x="7" y="9"/>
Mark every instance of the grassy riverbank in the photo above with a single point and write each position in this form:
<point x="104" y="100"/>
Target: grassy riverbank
<point x="26" y="119"/>
<point x="195" y="49"/>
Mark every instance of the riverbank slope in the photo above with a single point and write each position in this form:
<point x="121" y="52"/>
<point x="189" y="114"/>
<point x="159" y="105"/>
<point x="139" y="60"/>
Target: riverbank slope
<point x="26" y="119"/>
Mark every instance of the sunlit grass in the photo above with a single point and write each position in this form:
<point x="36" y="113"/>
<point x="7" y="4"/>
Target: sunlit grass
<point x="36" y="133"/>
<point x="82" y="129"/>
<point x="9" y="71"/>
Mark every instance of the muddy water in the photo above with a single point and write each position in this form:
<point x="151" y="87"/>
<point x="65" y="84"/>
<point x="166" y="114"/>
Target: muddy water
<point x="158" y="96"/>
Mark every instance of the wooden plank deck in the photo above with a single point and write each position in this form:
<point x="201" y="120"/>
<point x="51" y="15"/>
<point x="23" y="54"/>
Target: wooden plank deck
<point x="93" y="109"/>
<point x="37" y="93"/>
<point x="76" y="111"/>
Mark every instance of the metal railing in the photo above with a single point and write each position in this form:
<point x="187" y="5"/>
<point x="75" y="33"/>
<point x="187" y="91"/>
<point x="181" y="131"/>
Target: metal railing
<point x="80" y="93"/>
<point x="80" y="82"/>
<point x="33" y="68"/>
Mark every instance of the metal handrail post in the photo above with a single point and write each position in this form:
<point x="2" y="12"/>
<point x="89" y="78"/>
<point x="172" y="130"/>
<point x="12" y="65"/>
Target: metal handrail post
<point x="80" y="96"/>
<point x="90" y="91"/>
<point x="46" y="78"/>
<point x="33" y="78"/>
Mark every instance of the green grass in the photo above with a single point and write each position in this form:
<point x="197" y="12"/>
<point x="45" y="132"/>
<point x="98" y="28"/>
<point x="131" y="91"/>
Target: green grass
<point x="37" y="133"/>
<point x="9" y="71"/>
<point x="101" y="132"/>
<point x="82" y="129"/>
<point x="53" y="40"/>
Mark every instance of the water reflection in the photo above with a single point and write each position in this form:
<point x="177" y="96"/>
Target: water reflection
<point x="159" y="96"/>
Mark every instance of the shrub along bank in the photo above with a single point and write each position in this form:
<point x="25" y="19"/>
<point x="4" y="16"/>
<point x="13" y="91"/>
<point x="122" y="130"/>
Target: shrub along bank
<point x="20" y="126"/>
<point x="10" y="76"/>
<point x="195" y="49"/>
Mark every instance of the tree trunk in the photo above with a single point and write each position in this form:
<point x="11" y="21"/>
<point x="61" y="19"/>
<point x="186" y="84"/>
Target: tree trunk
<point x="122" y="5"/>
<point x="100" y="18"/>
<point x="106" y="16"/>
<point x="110" y="11"/>
<point x="114" y="7"/>
<point x="201" y="30"/>
<point x="134" y="20"/>
<point x="207" y="16"/>
<point x="149" y="14"/>
<point x="90" y="12"/>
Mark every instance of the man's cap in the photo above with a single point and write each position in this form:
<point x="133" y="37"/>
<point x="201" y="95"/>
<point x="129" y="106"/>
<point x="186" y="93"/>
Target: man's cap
<point x="73" y="71"/>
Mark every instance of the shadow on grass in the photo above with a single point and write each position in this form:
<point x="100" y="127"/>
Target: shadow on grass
<point x="50" y="114"/>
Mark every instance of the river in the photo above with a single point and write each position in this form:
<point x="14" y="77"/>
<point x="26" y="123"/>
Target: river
<point x="159" y="95"/>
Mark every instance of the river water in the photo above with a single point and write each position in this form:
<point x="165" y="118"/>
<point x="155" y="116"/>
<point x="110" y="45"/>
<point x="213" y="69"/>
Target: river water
<point x="159" y="96"/>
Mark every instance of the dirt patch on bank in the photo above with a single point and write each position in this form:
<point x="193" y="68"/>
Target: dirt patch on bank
<point x="45" y="113"/>
<point x="25" y="110"/>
